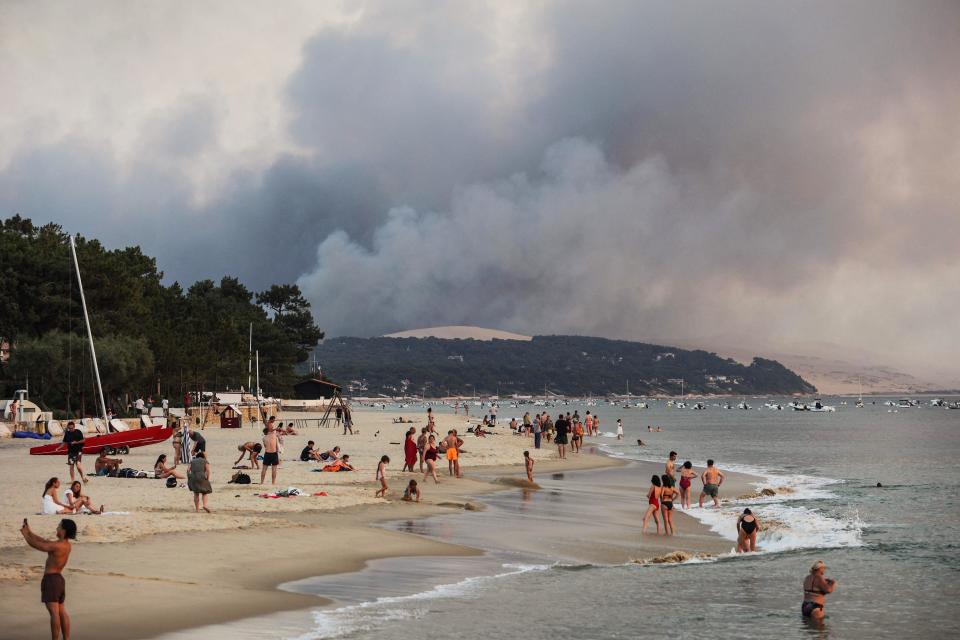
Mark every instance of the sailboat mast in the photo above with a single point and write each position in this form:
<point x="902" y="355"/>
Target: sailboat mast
<point x="86" y="319"/>
<point x="257" y="391"/>
<point x="249" y="356"/>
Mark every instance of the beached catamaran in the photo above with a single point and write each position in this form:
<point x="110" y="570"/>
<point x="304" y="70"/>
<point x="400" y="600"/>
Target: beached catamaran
<point x="120" y="440"/>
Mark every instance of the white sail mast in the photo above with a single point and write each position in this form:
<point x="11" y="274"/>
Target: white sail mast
<point x="86" y="319"/>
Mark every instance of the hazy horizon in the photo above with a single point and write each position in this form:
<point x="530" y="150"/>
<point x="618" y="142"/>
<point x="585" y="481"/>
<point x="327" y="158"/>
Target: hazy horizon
<point x="749" y="173"/>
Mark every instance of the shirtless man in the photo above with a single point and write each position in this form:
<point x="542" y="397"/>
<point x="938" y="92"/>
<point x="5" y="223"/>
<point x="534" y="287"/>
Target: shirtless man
<point x="252" y="449"/>
<point x="669" y="469"/>
<point x="105" y="466"/>
<point x="712" y="478"/>
<point x="53" y="590"/>
<point x="271" y="454"/>
<point x="453" y="443"/>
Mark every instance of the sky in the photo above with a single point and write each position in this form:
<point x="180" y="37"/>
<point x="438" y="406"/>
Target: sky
<point x="760" y="174"/>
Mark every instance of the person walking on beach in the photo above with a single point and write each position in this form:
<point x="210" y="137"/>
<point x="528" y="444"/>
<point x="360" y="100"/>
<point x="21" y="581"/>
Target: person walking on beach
<point x="596" y="425"/>
<point x="528" y="465"/>
<point x="577" y="436"/>
<point x="271" y="454"/>
<point x="198" y="480"/>
<point x="667" y="495"/>
<point x="430" y="457"/>
<point x="619" y="429"/>
<point x="747" y="528"/>
<point x="712" y="478"/>
<point x="422" y="446"/>
<point x="653" y="502"/>
<point x="537" y="432"/>
<point x="382" y="477"/>
<point x="561" y="426"/>
<point x="73" y="438"/>
<point x="588" y="424"/>
<point x="409" y="450"/>
<point x="347" y="421"/>
<point x="53" y="588"/>
<point x="815" y="589"/>
<point x="687" y="474"/>
<point x="669" y="471"/>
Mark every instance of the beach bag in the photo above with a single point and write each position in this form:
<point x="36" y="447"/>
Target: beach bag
<point x="171" y="482"/>
<point x="127" y="472"/>
<point x="240" y="478"/>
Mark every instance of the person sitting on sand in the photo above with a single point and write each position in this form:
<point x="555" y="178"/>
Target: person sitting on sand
<point x="712" y="479"/>
<point x="290" y="430"/>
<point x="251" y="449"/>
<point x="330" y="454"/>
<point x="412" y="492"/>
<point x="479" y="432"/>
<point x="382" y="477"/>
<point x="308" y="454"/>
<point x="747" y="528"/>
<point x="528" y="465"/>
<point x="815" y="589"/>
<point x="77" y="501"/>
<point x="52" y="505"/>
<point x="105" y="466"/>
<point x="653" y="500"/>
<point x="162" y="471"/>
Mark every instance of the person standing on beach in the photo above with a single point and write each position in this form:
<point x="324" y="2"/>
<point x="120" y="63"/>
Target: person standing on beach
<point x="271" y="454"/>
<point x="619" y="429"/>
<point x="561" y="426"/>
<point x="198" y="480"/>
<point x="527" y="425"/>
<point x="687" y="474"/>
<point x="53" y="588"/>
<point x="409" y="450"/>
<point x="596" y="425"/>
<point x="347" y="421"/>
<point x="537" y="432"/>
<point x="712" y="478"/>
<point x="815" y="589"/>
<point x="422" y="446"/>
<point x="528" y="465"/>
<point x="653" y="504"/>
<point x="382" y="477"/>
<point x="430" y="457"/>
<point x="73" y="438"/>
<point x="453" y="452"/>
<point x="588" y="424"/>
<point x="667" y="495"/>
<point x="669" y="471"/>
<point x="199" y="443"/>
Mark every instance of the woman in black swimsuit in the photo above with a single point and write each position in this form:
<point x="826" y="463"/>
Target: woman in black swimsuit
<point x="430" y="457"/>
<point x="667" y="495"/>
<point x="747" y="528"/>
<point x="815" y="589"/>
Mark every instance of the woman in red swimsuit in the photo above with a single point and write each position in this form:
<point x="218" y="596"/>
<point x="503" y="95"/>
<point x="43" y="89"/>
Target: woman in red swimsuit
<point x="653" y="498"/>
<point x="686" y="474"/>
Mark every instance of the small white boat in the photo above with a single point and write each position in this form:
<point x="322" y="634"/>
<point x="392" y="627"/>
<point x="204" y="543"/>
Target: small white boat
<point x="699" y="406"/>
<point x="820" y="407"/>
<point x="642" y="405"/>
<point x="680" y="405"/>
<point x="937" y="402"/>
<point x="907" y="403"/>
<point x="744" y="405"/>
<point x="774" y="406"/>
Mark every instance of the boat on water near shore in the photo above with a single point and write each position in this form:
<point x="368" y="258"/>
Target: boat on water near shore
<point x="699" y="406"/>
<point x="744" y="406"/>
<point x="820" y="407"/>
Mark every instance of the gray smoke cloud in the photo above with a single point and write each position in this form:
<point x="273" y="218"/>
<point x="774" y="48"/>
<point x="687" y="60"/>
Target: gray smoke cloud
<point x="744" y="172"/>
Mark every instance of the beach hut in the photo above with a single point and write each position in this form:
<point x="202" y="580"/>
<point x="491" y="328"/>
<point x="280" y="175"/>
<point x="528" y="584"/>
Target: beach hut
<point x="231" y="417"/>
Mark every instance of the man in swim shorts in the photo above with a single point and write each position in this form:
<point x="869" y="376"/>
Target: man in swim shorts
<point x="453" y="452"/>
<point x="669" y="469"/>
<point x="712" y="478"/>
<point x="271" y="454"/>
<point x="53" y="589"/>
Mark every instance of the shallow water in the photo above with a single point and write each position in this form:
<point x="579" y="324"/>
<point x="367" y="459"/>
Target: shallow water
<point x="892" y="549"/>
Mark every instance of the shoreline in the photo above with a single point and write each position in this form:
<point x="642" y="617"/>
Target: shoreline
<point x="188" y="579"/>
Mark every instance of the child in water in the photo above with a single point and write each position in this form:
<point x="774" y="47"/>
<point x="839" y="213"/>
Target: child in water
<point x="412" y="492"/>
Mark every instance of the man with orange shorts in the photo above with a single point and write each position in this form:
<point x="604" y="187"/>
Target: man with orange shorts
<point x="453" y="452"/>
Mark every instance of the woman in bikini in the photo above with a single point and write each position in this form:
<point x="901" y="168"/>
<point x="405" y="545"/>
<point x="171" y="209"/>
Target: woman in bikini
<point x="653" y="499"/>
<point x="430" y="457"/>
<point x="667" y="495"/>
<point x="161" y="470"/>
<point x="686" y="475"/>
<point x="747" y="528"/>
<point x="815" y="589"/>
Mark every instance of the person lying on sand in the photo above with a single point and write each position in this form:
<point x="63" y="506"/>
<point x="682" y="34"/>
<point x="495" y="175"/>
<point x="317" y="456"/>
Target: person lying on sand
<point x="77" y="501"/>
<point x="105" y="466"/>
<point x="252" y="449"/>
<point x="343" y="464"/>
<point x="161" y="470"/>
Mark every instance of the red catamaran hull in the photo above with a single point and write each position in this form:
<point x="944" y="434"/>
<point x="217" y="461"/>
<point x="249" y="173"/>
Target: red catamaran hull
<point x="93" y="444"/>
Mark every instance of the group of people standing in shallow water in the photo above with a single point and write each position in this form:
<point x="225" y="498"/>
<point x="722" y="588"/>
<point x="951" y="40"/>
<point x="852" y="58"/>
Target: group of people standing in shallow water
<point x="664" y="491"/>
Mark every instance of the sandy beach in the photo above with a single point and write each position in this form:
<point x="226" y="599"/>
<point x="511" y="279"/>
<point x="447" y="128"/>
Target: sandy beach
<point x="175" y="569"/>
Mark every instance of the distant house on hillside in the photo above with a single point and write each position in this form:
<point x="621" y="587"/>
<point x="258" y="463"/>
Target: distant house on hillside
<point x="314" y="389"/>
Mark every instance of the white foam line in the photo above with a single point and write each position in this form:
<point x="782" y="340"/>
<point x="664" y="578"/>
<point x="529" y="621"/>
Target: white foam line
<point x="348" y="619"/>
